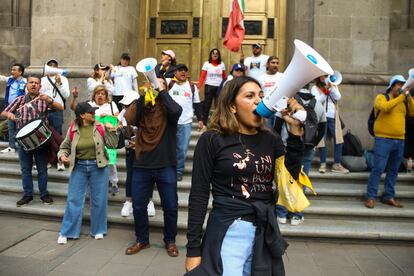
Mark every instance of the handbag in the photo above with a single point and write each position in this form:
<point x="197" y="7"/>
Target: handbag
<point x="291" y="194"/>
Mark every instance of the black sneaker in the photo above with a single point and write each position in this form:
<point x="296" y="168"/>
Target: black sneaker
<point x="47" y="200"/>
<point x="24" y="201"/>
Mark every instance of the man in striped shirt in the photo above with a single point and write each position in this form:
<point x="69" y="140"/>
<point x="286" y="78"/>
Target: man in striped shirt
<point x="23" y="110"/>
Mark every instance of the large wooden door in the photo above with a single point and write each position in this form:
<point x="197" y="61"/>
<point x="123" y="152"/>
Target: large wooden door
<point x="191" y="28"/>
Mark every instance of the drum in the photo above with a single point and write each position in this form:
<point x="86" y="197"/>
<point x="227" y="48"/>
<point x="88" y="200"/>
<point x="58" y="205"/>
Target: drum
<point x="33" y="135"/>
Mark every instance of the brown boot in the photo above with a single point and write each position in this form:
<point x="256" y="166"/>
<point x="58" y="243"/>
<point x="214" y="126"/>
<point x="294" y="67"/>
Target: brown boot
<point x="392" y="202"/>
<point x="369" y="203"/>
<point x="172" y="250"/>
<point x="134" y="249"/>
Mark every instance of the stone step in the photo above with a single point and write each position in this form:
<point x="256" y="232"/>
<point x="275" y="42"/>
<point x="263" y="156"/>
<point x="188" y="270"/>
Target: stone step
<point x="311" y="228"/>
<point x="320" y="206"/>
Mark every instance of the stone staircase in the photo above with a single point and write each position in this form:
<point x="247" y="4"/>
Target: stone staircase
<point x="336" y="211"/>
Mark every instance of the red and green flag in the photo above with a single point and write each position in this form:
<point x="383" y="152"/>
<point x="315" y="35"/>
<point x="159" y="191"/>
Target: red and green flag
<point x="235" y="29"/>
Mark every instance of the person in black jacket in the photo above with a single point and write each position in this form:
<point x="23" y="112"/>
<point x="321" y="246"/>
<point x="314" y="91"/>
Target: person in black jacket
<point x="155" y="162"/>
<point x="237" y="156"/>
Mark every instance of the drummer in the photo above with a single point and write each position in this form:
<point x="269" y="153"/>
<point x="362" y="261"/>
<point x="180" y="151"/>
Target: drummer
<point x="23" y="110"/>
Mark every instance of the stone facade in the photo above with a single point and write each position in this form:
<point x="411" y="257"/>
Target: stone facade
<point x="368" y="41"/>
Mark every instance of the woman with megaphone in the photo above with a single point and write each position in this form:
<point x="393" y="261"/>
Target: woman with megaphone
<point x="237" y="155"/>
<point x="327" y="93"/>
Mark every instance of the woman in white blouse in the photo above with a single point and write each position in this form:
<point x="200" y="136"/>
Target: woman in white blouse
<point x="100" y="77"/>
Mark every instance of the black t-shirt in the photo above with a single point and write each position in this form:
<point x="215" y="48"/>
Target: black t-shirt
<point x="239" y="166"/>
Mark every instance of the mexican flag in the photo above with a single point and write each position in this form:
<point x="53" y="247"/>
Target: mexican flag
<point x="235" y="29"/>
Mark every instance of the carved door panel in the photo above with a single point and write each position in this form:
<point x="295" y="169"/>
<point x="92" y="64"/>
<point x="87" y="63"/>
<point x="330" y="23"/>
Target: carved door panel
<point x="191" y="28"/>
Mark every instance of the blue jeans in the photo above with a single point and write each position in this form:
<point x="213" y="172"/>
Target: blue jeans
<point x="330" y="132"/>
<point x="12" y="133"/>
<point x="85" y="173"/>
<point x="26" y="166"/>
<point x="282" y="212"/>
<point x="237" y="248"/>
<point x="183" y="140"/>
<point x="386" y="151"/>
<point x="142" y="186"/>
<point x="307" y="159"/>
<point x="55" y="119"/>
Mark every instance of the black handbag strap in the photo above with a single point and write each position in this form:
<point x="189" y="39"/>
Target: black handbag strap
<point x="57" y="90"/>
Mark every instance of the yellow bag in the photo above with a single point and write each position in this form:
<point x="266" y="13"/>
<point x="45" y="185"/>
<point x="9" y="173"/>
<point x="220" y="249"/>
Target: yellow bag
<point x="291" y="193"/>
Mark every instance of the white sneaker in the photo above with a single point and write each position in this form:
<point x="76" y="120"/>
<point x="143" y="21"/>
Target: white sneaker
<point x="60" y="167"/>
<point x="8" y="150"/>
<point x="151" y="209"/>
<point x="98" y="236"/>
<point x="322" y="168"/>
<point x="296" y="220"/>
<point x="338" y="168"/>
<point x="62" y="240"/>
<point x="127" y="209"/>
<point x="281" y="220"/>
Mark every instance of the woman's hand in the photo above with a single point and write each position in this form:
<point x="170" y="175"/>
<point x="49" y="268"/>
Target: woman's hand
<point x="64" y="159"/>
<point x="161" y="84"/>
<point x="75" y="92"/>
<point x="191" y="263"/>
<point x="295" y="126"/>
<point x="109" y="127"/>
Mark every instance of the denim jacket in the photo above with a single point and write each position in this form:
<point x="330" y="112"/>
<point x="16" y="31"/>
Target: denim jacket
<point x="21" y="84"/>
<point x="68" y="146"/>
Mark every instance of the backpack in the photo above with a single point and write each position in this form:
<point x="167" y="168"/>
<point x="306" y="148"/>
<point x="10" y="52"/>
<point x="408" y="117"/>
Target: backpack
<point x="311" y="123"/>
<point x="72" y="132"/>
<point x="373" y="116"/>
<point x="352" y="145"/>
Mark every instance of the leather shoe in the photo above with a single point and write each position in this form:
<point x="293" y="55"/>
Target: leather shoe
<point x="172" y="249"/>
<point x="134" y="249"/>
<point x="392" y="202"/>
<point x="369" y="203"/>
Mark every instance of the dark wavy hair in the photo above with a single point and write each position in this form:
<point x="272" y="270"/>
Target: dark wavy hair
<point x="219" y="55"/>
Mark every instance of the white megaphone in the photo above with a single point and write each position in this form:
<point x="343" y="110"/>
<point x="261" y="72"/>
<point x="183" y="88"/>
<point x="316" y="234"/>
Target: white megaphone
<point x="335" y="78"/>
<point x="49" y="70"/>
<point x="147" y="67"/>
<point x="305" y="66"/>
<point x="410" y="80"/>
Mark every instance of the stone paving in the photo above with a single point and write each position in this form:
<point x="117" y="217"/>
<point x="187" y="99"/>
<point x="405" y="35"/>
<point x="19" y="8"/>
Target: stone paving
<point x="28" y="247"/>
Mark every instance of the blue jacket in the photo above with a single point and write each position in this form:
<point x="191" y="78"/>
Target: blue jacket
<point x="21" y="84"/>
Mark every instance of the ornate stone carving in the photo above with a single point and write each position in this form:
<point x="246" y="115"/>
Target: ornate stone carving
<point x="174" y="26"/>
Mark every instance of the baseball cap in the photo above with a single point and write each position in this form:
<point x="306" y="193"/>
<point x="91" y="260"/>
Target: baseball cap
<point x="169" y="53"/>
<point x="129" y="97"/>
<point x="52" y="61"/>
<point x="125" y="56"/>
<point x="237" y="67"/>
<point x="257" y="45"/>
<point x="101" y="66"/>
<point x="84" y="107"/>
<point x="180" y="67"/>
<point x="394" y="79"/>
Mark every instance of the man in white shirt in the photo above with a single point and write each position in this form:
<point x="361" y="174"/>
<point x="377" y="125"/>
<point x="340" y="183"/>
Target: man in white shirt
<point x="185" y="93"/>
<point x="56" y="87"/>
<point x="270" y="80"/>
<point x="256" y="64"/>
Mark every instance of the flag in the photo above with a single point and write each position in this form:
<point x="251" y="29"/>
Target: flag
<point x="235" y="29"/>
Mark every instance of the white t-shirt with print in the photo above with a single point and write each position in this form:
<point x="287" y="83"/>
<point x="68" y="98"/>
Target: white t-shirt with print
<point x="123" y="77"/>
<point x="256" y="66"/>
<point x="183" y="95"/>
<point x="269" y="82"/>
<point x="214" y="73"/>
<point x="105" y="108"/>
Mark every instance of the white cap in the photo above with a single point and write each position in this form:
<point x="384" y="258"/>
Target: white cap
<point x="129" y="97"/>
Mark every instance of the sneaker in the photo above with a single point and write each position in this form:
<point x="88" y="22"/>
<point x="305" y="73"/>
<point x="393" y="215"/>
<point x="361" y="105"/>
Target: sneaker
<point x="151" y="209"/>
<point x="127" y="209"/>
<point x="98" y="236"/>
<point x="322" y="168"/>
<point x="47" y="200"/>
<point x="338" y="168"/>
<point x="281" y="220"/>
<point x="296" y="220"/>
<point x="62" y="240"/>
<point x="179" y="178"/>
<point x="60" y="167"/>
<point x="8" y="150"/>
<point x="114" y="189"/>
<point x="24" y="201"/>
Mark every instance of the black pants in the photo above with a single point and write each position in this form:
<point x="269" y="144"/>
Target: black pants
<point x="210" y="92"/>
<point x="116" y="100"/>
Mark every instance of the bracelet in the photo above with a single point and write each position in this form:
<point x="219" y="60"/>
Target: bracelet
<point x="52" y="101"/>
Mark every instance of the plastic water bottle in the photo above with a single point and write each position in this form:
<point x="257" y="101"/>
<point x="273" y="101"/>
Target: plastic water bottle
<point x="409" y="165"/>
